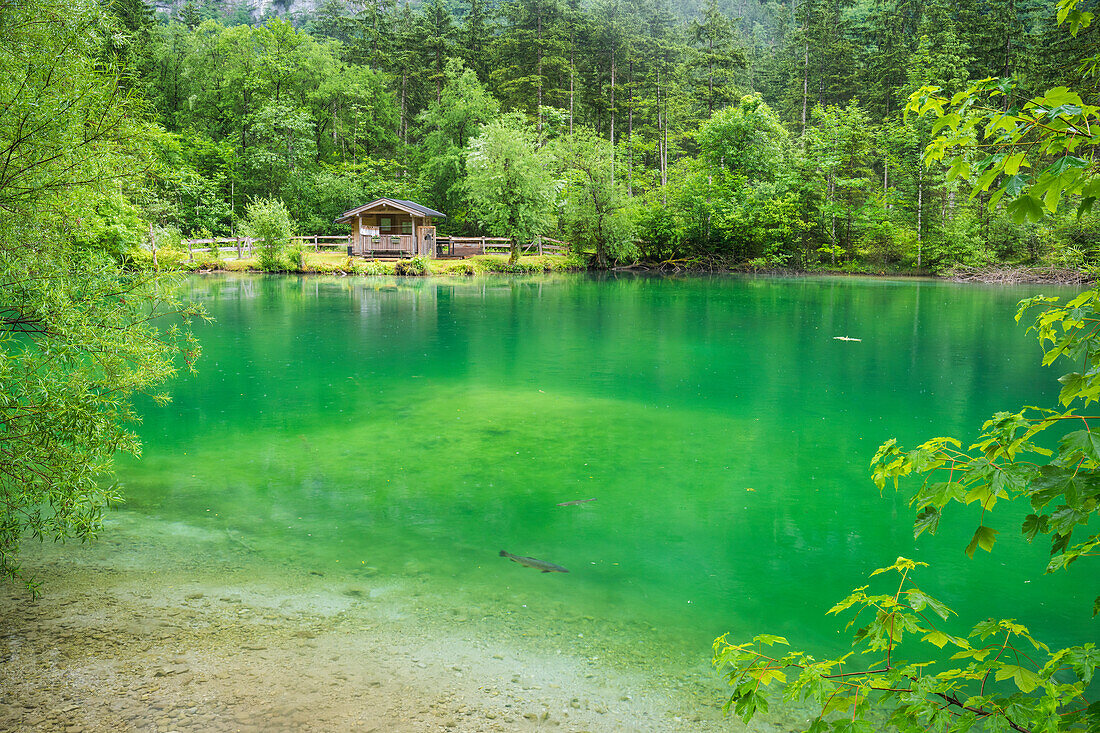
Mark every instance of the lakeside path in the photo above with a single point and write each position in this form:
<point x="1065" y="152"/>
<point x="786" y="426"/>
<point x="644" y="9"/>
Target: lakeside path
<point x="170" y="630"/>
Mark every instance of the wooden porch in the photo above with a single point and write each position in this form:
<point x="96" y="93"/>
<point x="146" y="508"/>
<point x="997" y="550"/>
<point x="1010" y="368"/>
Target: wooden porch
<point x="383" y="245"/>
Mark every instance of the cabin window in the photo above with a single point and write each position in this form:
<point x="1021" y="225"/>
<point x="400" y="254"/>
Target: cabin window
<point x="406" y="227"/>
<point x="385" y="223"/>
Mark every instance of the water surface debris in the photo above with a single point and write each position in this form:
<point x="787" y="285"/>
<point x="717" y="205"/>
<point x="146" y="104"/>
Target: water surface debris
<point x="845" y="338"/>
<point x="576" y="501"/>
<point x="531" y="562"/>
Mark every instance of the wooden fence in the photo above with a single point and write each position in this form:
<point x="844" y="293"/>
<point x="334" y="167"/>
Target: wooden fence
<point x="246" y="246"/>
<point x="454" y="246"/>
<point x="446" y="246"/>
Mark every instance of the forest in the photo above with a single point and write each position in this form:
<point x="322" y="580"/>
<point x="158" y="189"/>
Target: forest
<point x="760" y="134"/>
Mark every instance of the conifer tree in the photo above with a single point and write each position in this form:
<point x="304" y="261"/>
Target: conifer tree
<point x="716" y="57"/>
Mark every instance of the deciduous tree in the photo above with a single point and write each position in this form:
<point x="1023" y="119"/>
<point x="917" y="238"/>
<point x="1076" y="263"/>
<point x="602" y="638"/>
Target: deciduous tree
<point x="509" y="181"/>
<point x="77" y="313"/>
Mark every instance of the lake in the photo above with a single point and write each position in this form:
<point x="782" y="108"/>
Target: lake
<point x="394" y="435"/>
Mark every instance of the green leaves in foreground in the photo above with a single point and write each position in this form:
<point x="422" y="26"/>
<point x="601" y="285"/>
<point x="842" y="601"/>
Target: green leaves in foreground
<point x="82" y="328"/>
<point x="1006" y="463"/>
<point x="1028" y="156"/>
<point x="997" y="676"/>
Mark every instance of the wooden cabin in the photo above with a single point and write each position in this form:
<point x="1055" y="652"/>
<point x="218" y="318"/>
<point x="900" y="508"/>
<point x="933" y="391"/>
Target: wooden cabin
<point x="391" y="227"/>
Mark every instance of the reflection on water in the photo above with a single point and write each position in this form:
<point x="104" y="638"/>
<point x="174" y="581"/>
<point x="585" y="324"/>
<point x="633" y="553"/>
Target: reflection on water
<point x="413" y="428"/>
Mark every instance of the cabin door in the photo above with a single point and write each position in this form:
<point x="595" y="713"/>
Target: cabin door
<point x="425" y="241"/>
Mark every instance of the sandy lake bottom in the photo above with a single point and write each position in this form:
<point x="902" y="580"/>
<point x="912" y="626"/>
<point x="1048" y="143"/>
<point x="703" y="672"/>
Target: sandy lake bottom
<point x="158" y="627"/>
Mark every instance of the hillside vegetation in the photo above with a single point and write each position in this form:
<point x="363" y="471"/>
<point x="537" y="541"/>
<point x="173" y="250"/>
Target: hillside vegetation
<point x="762" y="134"/>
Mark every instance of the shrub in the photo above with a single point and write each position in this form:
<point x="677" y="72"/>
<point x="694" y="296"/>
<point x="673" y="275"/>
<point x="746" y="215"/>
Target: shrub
<point x="296" y="257"/>
<point x="268" y="221"/>
<point x="1012" y="242"/>
<point x="416" y="266"/>
<point x="372" y="267"/>
<point x="960" y="243"/>
<point x="885" y="244"/>
<point x="659" y="234"/>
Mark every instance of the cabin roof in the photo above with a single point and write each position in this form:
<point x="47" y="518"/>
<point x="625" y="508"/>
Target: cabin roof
<point x="410" y="207"/>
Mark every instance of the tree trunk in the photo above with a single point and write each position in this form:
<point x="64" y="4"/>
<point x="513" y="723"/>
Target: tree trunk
<point x="848" y="229"/>
<point x="571" y="74"/>
<point x="612" y="113"/>
<point x="710" y="77"/>
<point x="664" y="151"/>
<point x="660" y="140"/>
<point x="630" y="132"/>
<point x="920" y="212"/>
<point x="402" y="123"/>
<point x="539" y="71"/>
<point x="805" y="83"/>
<point x="374" y="37"/>
<point x="832" y="220"/>
<point x="153" y="244"/>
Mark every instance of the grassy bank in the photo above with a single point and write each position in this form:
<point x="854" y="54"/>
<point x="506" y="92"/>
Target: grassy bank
<point x="338" y="263"/>
<point x="335" y="263"/>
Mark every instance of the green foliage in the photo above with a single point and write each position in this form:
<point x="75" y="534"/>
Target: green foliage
<point x="509" y="181"/>
<point x="373" y="267"/>
<point x="416" y="266"/>
<point x="1042" y="689"/>
<point x="715" y="55"/>
<point x="450" y="122"/>
<point x="997" y="677"/>
<point x="268" y="221"/>
<point x="78" y="315"/>
<point x="739" y="203"/>
<point x="839" y="145"/>
<point x="112" y="223"/>
<point x="507" y="266"/>
<point x="658" y="231"/>
<point x="346" y="105"/>
<point x="1035" y="154"/>
<point x="596" y="214"/>
<point x="747" y="141"/>
<point x="295" y="257"/>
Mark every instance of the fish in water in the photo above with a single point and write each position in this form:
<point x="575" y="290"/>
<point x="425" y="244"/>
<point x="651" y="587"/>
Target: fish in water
<point x="546" y="567"/>
<point x="576" y="501"/>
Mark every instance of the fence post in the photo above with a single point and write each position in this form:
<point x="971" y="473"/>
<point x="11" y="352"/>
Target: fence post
<point x="540" y="245"/>
<point x="238" y="248"/>
<point x="190" y="255"/>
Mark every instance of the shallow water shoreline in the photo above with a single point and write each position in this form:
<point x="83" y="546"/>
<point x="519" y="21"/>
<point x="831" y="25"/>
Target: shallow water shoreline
<point x="119" y="643"/>
<point x="543" y="265"/>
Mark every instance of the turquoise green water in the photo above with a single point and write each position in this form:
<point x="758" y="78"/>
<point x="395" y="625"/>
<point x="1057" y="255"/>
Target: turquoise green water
<point x="417" y="427"/>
